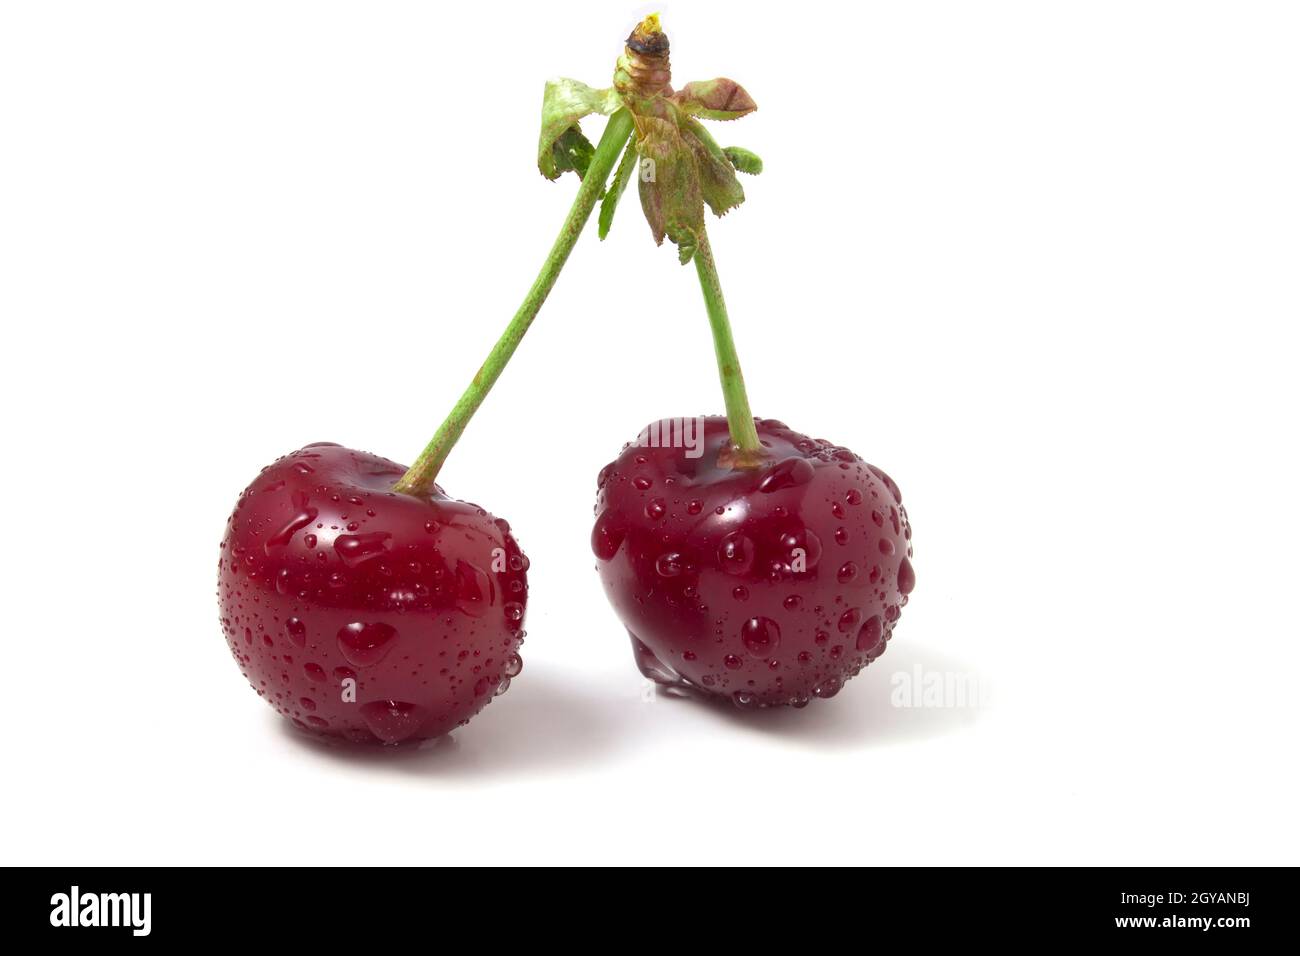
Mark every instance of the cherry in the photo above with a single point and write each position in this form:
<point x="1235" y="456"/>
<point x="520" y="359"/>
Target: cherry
<point x="356" y="596"/>
<point x="750" y="561"/>
<point x="768" y="585"/>
<point x="359" y="612"/>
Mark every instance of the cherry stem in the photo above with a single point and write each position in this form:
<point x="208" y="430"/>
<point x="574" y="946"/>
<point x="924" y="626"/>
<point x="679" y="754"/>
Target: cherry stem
<point x="420" y="477"/>
<point x="747" y="451"/>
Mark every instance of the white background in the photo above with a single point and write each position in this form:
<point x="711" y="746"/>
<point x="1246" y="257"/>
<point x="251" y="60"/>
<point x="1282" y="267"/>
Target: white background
<point x="1036" y="260"/>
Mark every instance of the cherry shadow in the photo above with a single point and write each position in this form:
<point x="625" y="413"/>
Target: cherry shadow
<point x="548" y="723"/>
<point x="883" y="705"/>
<point x="542" y="725"/>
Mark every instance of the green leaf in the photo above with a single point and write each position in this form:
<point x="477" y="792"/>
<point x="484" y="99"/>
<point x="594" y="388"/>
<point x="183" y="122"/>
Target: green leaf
<point x="564" y="103"/>
<point x="744" y="161"/>
<point x="615" y="191"/>
<point x="572" y="151"/>
<point x="719" y="99"/>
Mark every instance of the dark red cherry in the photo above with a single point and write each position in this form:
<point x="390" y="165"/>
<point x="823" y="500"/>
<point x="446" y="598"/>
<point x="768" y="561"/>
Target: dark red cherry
<point x="770" y="585"/>
<point x="361" y="613"/>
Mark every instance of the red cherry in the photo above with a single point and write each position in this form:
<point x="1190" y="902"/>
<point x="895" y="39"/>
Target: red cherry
<point x="358" y="612"/>
<point x="769" y="585"/>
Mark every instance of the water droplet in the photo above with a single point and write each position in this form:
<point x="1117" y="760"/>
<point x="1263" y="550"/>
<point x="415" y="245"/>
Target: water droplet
<point x="297" y="631"/>
<point x="744" y="700"/>
<point x="841" y="536"/>
<point x="474" y="591"/>
<point x="606" y="537"/>
<point x="315" y="672"/>
<point x="740" y="592"/>
<point x="307" y="703"/>
<point x="363" y="645"/>
<point x="514" y="611"/>
<point x="787" y="474"/>
<point x="828" y="688"/>
<point x="502" y="687"/>
<point x="870" y="634"/>
<point x="648" y="662"/>
<point x="695" y="506"/>
<point x="792" y="602"/>
<point x="761" y="636"/>
<point x="849" y="620"/>
<point x="642" y="482"/>
<point x="736" y="553"/>
<point x="854" y="497"/>
<point x="656" y="509"/>
<point x="669" y="565"/>
<point x="906" y="577"/>
<point x="391" y="720"/>
<point x="848" y="571"/>
<point x="886" y="546"/>
<point x="304" y="516"/>
<point x="357" y="549"/>
<point x="732" y="662"/>
<point x="514" y="664"/>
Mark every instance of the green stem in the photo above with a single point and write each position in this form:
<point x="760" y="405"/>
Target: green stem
<point x="740" y="421"/>
<point x="420" y="477"/>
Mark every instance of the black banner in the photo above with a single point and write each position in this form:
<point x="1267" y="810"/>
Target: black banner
<point x="132" y="907"/>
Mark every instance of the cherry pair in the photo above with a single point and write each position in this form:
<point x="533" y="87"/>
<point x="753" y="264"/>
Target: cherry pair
<point x="747" y="561"/>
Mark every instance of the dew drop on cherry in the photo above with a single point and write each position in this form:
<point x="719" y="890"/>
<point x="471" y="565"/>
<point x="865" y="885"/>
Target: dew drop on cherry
<point x="761" y="636"/>
<point x="356" y="549"/>
<point x="363" y="645"/>
<point x="391" y="720"/>
<point x="870" y="634"/>
<point x="606" y="538"/>
<point x="669" y="565"/>
<point x="736" y="553"/>
<point x="906" y="577"/>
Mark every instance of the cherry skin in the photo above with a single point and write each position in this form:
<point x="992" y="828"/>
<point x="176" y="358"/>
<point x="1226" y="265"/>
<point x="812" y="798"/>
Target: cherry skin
<point x="332" y="583"/>
<point x="770" y="585"/>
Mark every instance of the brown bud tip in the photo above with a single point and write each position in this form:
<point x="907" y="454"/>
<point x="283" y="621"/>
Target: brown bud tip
<point x="648" y="39"/>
